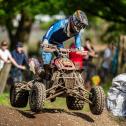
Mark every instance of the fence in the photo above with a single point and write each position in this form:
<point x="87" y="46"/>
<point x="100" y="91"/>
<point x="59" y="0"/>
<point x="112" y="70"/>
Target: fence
<point x="3" y="76"/>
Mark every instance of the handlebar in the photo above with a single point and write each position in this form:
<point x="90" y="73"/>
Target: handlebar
<point x="48" y="46"/>
<point x="53" y="48"/>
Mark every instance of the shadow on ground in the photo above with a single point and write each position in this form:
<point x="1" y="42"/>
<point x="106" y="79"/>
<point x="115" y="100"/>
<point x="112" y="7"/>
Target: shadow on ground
<point x="29" y="114"/>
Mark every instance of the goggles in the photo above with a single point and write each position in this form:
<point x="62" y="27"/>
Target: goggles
<point x="78" y="24"/>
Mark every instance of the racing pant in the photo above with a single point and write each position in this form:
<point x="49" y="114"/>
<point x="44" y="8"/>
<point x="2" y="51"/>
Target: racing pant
<point x="47" y="57"/>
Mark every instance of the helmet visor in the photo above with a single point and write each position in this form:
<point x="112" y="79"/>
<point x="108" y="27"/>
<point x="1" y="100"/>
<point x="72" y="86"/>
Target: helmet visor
<point x="77" y="23"/>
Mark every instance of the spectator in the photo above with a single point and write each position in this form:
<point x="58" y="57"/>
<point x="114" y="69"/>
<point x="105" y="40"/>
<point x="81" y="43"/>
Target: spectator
<point x="90" y="49"/>
<point x="5" y="56"/>
<point x="106" y="63"/>
<point x="114" y="64"/>
<point x="89" y="67"/>
<point x="122" y="67"/>
<point x="21" y="59"/>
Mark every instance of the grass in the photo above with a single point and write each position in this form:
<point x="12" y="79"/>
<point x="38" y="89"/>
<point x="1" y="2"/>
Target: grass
<point x="60" y="103"/>
<point x="106" y="87"/>
<point x="4" y="99"/>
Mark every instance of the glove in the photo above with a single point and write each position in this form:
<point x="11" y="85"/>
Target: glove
<point x="80" y="48"/>
<point x="45" y="41"/>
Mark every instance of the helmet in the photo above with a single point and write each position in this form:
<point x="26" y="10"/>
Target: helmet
<point x="78" y="20"/>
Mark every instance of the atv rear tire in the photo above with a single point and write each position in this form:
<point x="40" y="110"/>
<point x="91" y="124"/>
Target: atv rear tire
<point x="98" y="100"/>
<point x="18" y="97"/>
<point x="37" y="97"/>
<point x="74" y="103"/>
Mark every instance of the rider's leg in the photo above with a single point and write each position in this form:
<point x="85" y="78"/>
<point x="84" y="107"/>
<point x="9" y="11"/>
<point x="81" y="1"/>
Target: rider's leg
<point x="46" y="57"/>
<point x="46" y="63"/>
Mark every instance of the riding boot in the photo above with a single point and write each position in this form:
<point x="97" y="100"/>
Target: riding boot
<point x="47" y="76"/>
<point x="47" y="72"/>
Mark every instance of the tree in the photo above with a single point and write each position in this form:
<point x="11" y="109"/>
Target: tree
<point x="29" y="8"/>
<point x="8" y="11"/>
<point x="111" y="10"/>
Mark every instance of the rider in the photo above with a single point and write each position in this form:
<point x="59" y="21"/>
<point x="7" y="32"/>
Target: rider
<point x="63" y="30"/>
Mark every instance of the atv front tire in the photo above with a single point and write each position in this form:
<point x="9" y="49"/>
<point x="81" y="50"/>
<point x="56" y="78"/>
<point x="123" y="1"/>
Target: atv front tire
<point x="37" y="97"/>
<point x="18" y="97"/>
<point x="98" y="100"/>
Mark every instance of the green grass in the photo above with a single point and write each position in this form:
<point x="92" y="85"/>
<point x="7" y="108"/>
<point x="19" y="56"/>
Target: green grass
<point x="106" y="87"/>
<point x="4" y="99"/>
<point x="60" y="103"/>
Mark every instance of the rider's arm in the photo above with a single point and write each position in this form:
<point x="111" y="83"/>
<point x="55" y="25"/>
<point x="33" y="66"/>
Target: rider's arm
<point x="55" y="27"/>
<point x="78" y="41"/>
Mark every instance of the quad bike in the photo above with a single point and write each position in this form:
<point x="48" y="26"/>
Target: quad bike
<point x="64" y="80"/>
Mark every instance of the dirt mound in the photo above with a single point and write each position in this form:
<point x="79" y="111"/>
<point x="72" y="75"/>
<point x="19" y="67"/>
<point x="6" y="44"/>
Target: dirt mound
<point x="52" y="117"/>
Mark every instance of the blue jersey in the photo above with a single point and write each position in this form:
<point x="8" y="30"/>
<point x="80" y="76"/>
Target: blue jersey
<point x="57" y="34"/>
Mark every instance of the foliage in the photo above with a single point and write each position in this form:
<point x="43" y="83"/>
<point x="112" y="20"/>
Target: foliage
<point x="113" y="32"/>
<point x="46" y="25"/>
<point x="4" y="99"/>
<point x="111" y="10"/>
<point x="102" y="8"/>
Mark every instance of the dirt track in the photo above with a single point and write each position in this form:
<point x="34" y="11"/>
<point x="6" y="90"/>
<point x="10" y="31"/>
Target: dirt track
<point x="53" y="117"/>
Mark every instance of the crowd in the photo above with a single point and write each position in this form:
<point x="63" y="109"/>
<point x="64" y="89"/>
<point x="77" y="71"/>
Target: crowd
<point x="108" y="66"/>
<point x="110" y="61"/>
<point x="17" y="57"/>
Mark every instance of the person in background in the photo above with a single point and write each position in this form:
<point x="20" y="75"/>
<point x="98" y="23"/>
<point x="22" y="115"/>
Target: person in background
<point x="21" y="59"/>
<point x="5" y="56"/>
<point x="88" y="47"/>
<point x="89" y="67"/>
<point x="114" y="64"/>
<point x="106" y="63"/>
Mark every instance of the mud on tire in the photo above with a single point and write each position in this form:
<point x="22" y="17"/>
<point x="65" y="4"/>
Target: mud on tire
<point x="37" y="97"/>
<point x="98" y="100"/>
<point x="18" y="97"/>
<point x="74" y="103"/>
